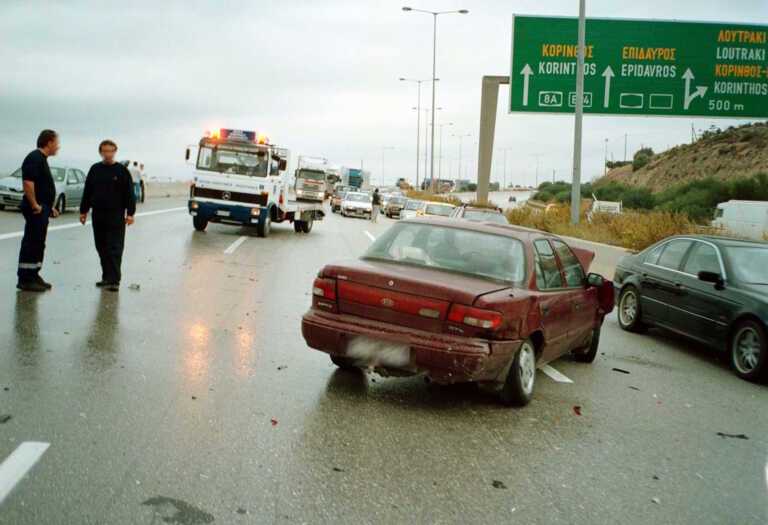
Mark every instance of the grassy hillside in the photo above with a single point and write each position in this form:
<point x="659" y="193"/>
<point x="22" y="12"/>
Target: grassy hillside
<point x="721" y="155"/>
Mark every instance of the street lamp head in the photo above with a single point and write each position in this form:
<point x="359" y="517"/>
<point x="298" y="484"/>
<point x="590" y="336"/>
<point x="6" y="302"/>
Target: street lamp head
<point x="407" y="9"/>
<point x="402" y="79"/>
<point x="464" y="11"/>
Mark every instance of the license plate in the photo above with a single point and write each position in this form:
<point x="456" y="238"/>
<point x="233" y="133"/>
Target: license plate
<point x="378" y="352"/>
<point x="222" y="213"/>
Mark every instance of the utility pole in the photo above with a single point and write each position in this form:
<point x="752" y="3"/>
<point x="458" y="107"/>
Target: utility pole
<point x="537" y="171"/>
<point x="605" y="162"/>
<point x="625" y="147"/>
<point x="440" y="157"/>
<point x="576" y="182"/>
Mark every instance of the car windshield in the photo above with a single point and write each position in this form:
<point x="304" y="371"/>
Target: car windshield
<point x="58" y="174"/>
<point x="414" y="205"/>
<point x="486" y="255"/>
<point x="484" y="215"/>
<point x="399" y="201"/>
<point x="239" y="161"/>
<point x="312" y="174"/>
<point x="749" y="263"/>
<point x="358" y="197"/>
<point x="439" y="209"/>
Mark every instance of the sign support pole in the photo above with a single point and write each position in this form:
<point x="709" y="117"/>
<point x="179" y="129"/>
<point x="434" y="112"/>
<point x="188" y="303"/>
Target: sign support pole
<point x="576" y="182"/>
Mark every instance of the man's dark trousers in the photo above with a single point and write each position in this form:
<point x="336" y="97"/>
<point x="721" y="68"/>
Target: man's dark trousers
<point x="33" y="242"/>
<point x="109" y="237"/>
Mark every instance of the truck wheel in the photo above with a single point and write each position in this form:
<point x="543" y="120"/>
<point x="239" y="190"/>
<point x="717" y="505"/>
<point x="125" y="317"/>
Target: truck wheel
<point x="264" y="226"/>
<point x="306" y="226"/>
<point x="199" y="223"/>
<point x="518" y="387"/>
<point x="143" y="193"/>
<point x="2" y="207"/>
<point x="297" y="226"/>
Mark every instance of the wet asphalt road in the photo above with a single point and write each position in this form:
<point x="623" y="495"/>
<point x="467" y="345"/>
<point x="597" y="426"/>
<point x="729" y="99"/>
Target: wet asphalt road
<point x="195" y="400"/>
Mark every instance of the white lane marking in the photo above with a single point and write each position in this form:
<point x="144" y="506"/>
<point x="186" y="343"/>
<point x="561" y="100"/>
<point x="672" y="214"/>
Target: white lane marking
<point x="370" y="236"/>
<point x="18" y="464"/>
<point x="14" y="235"/>
<point x="232" y="247"/>
<point x="554" y="374"/>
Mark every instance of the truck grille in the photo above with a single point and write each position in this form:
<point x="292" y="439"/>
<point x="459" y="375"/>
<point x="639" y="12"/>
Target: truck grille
<point x="234" y="196"/>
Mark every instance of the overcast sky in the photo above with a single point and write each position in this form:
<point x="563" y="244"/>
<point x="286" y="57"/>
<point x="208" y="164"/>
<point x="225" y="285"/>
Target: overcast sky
<point x="318" y="77"/>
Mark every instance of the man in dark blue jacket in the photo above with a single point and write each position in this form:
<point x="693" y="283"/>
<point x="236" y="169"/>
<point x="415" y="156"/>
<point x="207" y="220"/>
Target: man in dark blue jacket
<point x="109" y="192"/>
<point x="37" y="207"/>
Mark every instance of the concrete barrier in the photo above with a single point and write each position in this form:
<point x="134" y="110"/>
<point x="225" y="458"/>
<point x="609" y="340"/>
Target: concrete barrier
<point x="166" y="190"/>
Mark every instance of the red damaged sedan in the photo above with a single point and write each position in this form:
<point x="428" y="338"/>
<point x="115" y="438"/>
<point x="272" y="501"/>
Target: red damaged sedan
<point x="460" y="301"/>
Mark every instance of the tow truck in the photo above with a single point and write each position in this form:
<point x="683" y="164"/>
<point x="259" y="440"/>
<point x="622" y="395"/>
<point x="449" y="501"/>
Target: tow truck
<point x="240" y="178"/>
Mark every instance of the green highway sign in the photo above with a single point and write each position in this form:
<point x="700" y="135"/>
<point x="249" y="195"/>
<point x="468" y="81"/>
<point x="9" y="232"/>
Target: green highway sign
<point x="640" y="67"/>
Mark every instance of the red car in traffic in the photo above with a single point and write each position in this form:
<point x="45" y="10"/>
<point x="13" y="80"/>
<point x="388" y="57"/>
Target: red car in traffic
<point x="460" y="301"/>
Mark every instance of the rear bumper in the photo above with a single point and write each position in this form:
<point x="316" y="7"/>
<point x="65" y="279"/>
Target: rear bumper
<point x="12" y="200"/>
<point x="356" y="212"/>
<point x="444" y="358"/>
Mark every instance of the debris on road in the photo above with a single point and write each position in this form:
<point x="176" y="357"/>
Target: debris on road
<point x="282" y="367"/>
<point x="241" y="510"/>
<point x="655" y="477"/>
<point x="498" y="484"/>
<point x="577" y="410"/>
<point x="621" y="370"/>
<point x="173" y="510"/>
<point x="194" y="398"/>
<point x="735" y="436"/>
<point x="274" y="422"/>
<point x="657" y="501"/>
<point x="633" y="388"/>
<point x="134" y="286"/>
<point x="7" y="389"/>
<point x="337" y="469"/>
<point x="4" y="418"/>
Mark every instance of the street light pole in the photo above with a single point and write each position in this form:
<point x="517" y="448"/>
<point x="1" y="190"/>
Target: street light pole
<point x="418" y="120"/>
<point x="461" y="138"/>
<point x="440" y="155"/>
<point x="434" y="73"/>
<point x="605" y="162"/>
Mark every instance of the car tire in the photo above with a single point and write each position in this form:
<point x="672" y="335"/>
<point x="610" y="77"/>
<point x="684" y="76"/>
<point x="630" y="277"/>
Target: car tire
<point x="2" y="207"/>
<point x="518" y="386"/>
<point x="297" y="226"/>
<point x="628" y="311"/>
<point x="747" y="348"/>
<point x="264" y="227"/>
<point x="588" y="354"/>
<point x="306" y="226"/>
<point x="61" y="204"/>
<point x="143" y="193"/>
<point x="199" y="223"/>
<point x="345" y="363"/>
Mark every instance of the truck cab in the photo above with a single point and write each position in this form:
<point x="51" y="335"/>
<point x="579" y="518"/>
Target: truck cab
<point x="311" y="184"/>
<point x="239" y="179"/>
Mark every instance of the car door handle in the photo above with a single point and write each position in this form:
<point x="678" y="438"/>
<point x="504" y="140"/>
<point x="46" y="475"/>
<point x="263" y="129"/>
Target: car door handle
<point x="679" y="288"/>
<point x="544" y="310"/>
<point x="576" y="305"/>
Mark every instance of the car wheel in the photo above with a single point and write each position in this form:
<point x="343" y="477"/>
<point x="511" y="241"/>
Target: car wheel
<point x="264" y="227"/>
<point x="306" y="226"/>
<point x="296" y="226"/>
<point x="345" y="363"/>
<point x="518" y="387"/>
<point x="630" y="315"/>
<point x="748" y="351"/>
<point x="588" y="354"/>
<point x="199" y="223"/>
<point x="2" y="207"/>
<point x="61" y="204"/>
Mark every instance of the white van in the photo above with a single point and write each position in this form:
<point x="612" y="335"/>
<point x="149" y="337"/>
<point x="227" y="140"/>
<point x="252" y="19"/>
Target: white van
<point x="743" y="218"/>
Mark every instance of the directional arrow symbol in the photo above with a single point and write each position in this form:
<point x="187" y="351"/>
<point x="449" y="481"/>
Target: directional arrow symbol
<point x="526" y="72"/>
<point x="608" y="74"/>
<point x="700" y="90"/>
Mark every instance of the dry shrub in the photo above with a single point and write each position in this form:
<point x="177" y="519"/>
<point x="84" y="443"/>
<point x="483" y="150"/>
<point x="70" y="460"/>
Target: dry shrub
<point x="632" y="230"/>
<point x="434" y="197"/>
<point x="482" y="204"/>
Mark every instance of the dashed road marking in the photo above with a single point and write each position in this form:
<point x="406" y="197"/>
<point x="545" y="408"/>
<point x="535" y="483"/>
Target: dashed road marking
<point x="16" y="466"/>
<point x="554" y="374"/>
<point x="14" y="235"/>
<point x="370" y="235"/>
<point x="235" y="245"/>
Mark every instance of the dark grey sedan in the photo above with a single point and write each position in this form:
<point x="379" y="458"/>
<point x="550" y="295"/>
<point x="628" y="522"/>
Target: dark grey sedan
<point x="69" y="182"/>
<point x="711" y="289"/>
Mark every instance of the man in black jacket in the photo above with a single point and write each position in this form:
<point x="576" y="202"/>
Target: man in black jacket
<point x="109" y="192"/>
<point x="37" y="207"/>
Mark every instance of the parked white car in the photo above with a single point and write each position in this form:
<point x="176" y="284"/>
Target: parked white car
<point x="747" y="219"/>
<point x="69" y="182"/>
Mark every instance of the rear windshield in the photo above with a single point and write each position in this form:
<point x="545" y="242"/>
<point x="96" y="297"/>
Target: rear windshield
<point x="486" y="255"/>
<point x="399" y="201"/>
<point x="482" y="215"/>
<point x="357" y="197"/>
<point x="749" y="263"/>
<point x="414" y="205"/>
<point x="438" y="209"/>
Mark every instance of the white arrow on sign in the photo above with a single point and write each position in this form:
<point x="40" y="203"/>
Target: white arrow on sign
<point x="700" y="90"/>
<point x="608" y="74"/>
<point x="526" y="72"/>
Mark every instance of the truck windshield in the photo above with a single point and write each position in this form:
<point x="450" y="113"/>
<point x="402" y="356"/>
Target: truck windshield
<point x="311" y="174"/>
<point x="239" y="161"/>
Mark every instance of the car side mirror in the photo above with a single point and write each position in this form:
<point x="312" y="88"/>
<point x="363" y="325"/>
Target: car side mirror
<point x="186" y="157"/>
<point x="595" y="280"/>
<point x="712" y="277"/>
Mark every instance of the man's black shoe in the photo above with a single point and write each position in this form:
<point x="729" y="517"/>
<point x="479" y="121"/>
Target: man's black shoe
<point x="31" y="286"/>
<point x="42" y="281"/>
<point x="112" y="287"/>
<point x="101" y="284"/>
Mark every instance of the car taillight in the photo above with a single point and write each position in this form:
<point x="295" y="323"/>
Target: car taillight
<point x="477" y="317"/>
<point x="324" y="288"/>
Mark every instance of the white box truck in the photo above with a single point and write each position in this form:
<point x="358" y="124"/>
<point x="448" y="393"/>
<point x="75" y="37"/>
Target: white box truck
<point x="747" y="219"/>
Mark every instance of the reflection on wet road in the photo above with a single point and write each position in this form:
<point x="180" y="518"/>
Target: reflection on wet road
<point x="195" y="400"/>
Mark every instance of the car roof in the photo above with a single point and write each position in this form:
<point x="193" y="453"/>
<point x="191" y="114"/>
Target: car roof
<point x="509" y="230"/>
<point x="440" y="203"/>
<point x="482" y="208"/>
<point x="721" y="240"/>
